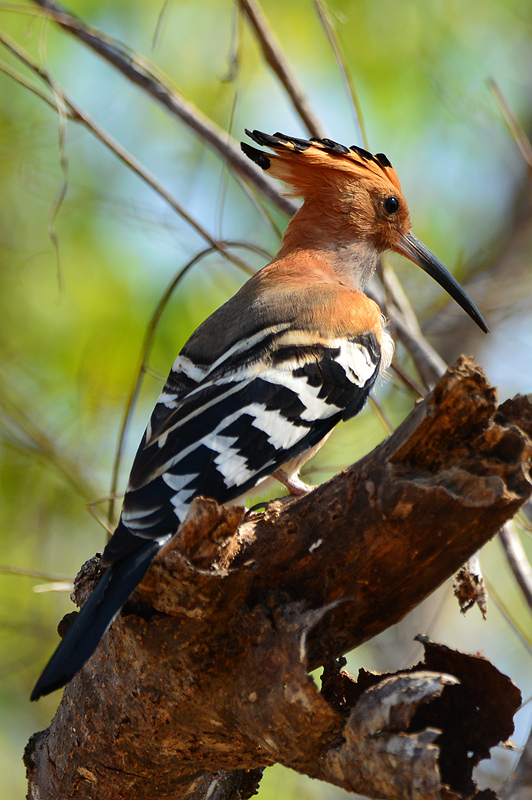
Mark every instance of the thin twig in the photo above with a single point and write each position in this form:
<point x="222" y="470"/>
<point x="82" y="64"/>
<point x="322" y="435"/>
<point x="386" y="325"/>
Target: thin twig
<point x="523" y="637"/>
<point x="104" y="522"/>
<point x="275" y="58"/>
<point x="341" y="63"/>
<point x="7" y="569"/>
<point x="38" y="444"/>
<point x="382" y="416"/>
<point x="517" y="560"/>
<point x="235" y="46"/>
<point x="521" y="139"/>
<point x="79" y="115"/>
<point x="55" y="586"/>
<point x="63" y="160"/>
<point x="159" y="25"/>
<point x="396" y="295"/>
<point x="19" y="78"/>
<point x="520" y="634"/>
<point x="225" y="176"/>
<point x="407" y="380"/>
<point x="144" y="74"/>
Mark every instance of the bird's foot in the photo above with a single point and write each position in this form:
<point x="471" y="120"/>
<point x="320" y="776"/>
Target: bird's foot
<point x="293" y="483"/>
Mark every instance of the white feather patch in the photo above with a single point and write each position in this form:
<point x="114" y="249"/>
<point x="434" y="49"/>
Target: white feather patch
<point x="282" y="434"/>
<point x="168" y="399"/>
<point x="315" y="407"/>
<point x="137" y="513"/>
<point x="233" y="467"/>
<point x="177" y="482"/>
<point x="186" y="366"/>
<point x="357" y="363"/>
<point x="232" y="388"/>
<point x="181" y="503"/>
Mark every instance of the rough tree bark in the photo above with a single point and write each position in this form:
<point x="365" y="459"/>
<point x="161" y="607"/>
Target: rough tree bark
<point x="203" y="680"/>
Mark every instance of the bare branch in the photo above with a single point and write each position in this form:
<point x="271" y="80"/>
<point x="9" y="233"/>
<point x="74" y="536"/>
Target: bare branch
<point x="352" y="94"/>
<point x="517" y="559"/>
<point x="274" y="56"/>
<point x="516" y="129"/>
<point x="77" y="114"/>
<point x="144" y="74"/>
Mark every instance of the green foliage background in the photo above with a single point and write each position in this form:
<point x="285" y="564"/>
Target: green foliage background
<point x="72" y="319"/>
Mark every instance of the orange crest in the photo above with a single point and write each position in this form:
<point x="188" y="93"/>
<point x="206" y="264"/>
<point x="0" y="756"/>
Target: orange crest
<point x="307" y="165"/>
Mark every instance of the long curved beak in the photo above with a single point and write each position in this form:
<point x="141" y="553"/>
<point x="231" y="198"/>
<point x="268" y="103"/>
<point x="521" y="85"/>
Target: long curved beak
<point x="411" y="247"/>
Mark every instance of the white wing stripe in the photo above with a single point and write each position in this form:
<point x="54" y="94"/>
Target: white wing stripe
<point x="246" y="344"/>
<point x="168" y="399"/>
<point x="181" y="503"/>
<point x="233" y="467"/>
<point x="184" y="365"/>
<point x="177" y="482"/>
<point x="233" y="387"/>
<point x="281" y="432"/>
<point x="353" y="357"/>
<point x="315" y="407"/>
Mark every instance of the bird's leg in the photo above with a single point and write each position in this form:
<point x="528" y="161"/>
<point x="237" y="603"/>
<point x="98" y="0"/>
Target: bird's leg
<point x="293" y="483"/>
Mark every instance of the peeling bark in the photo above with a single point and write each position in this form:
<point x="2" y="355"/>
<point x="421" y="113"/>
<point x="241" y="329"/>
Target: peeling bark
<point x="203" y="680"/>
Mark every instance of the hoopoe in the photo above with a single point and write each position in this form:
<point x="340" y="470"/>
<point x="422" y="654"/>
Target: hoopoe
<point x="262" y="382"/>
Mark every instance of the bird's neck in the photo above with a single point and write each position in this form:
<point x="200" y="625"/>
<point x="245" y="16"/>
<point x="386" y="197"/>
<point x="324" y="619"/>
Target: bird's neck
<point x="327" y="235"/>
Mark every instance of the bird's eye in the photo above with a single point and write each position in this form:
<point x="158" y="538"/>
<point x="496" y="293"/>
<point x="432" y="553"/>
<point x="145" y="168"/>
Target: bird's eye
<point x="391" y="205"/>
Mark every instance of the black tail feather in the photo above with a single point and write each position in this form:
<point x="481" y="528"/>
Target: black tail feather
<point x="80" y="642"/>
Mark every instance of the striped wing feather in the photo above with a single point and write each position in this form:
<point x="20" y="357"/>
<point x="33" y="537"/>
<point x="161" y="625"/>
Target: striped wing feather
<point x="233" y="429"/>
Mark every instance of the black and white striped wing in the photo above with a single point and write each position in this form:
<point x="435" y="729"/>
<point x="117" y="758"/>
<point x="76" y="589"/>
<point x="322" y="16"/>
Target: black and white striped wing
<point x="245" y="417"/>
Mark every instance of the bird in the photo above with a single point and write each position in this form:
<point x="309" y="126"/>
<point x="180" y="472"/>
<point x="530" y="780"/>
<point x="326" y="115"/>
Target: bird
<point x="262" y="382"/>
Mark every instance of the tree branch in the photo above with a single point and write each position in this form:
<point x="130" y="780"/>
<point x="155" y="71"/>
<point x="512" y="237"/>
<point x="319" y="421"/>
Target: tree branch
<point x="517" y="560"/>
<point x="274" y="57"/>
<point x="143" y="74"/>
<point x="203" y="680"/>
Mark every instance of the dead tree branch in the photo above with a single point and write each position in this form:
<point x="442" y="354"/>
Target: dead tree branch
<point x="203" y="680"/>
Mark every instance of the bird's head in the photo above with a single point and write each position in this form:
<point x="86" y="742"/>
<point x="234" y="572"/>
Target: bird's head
<point x="354" y="196"/>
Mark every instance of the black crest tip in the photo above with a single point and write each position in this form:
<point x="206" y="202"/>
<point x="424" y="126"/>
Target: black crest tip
<point x="257" y="156"/>
<point x="383" y="161"/>
<point x="299" y="144"/>
<point x="365" y="154"/>
<point x="332" y="146"/>
<point x="278" y="139"/>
